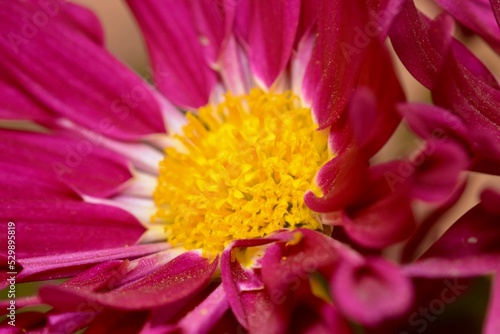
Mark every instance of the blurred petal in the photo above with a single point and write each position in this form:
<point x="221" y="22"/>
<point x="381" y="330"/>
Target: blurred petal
<point x="371" y="292"/>
<point x="177" y="280"/>
<point x="204" y="317"/>
<point x="476" y="15"/>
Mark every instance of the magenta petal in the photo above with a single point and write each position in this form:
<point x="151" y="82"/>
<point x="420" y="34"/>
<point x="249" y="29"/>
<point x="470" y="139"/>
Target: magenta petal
<point x="65" y="265"/>
<point x="53" y="68"/>
<point x="430" y="122"/>
<point x="345" y="32"/>
<point x="286" y="264"/>
<point x="435" y="267"/>
<point x="379" y="76"/>
<point x="52" y="226"/>
<point x="475" y="233"/>
<point x="476" y="15"/>
<point x="175" y="281"/>
<point x="341" y="180"/>
<point x="420" y="58"/>
<point x="80" y="18"/>
<point x="70" y="322"/>
<point x="83" y="165"/>
<point x="309" y="11"/>
<point x="181" y="71"/>
<point x="372" y="221"/>
<point x="371" y="292"/>
<point x="270" y="35"/>
<point x="15" y="179"/>
<point x="471" y="92"/>
<point x="205" y="315"/>
<point x="234" y="276"/>
<point x="18" y="106"/>
<point x="438" y="169"/>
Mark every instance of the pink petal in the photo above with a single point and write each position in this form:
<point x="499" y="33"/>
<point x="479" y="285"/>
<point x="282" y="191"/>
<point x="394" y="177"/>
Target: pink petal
<point x="102" y="95"/>
<point x="270" y="35"/>
<point x="234" y="276"/>
<point x="420" y="58"/>
<point x="54" y="226"/>
<point x="341" y="48"/>
<point x="371" y="292"/>
<point x="66" y="265"/>
<point x="428" y="223"/>
<point x="81" y="164"/>
<point x="309" y="12"/>
<point x="205" y="315"/>
<point x="341" y="179"/>
<point x="286" y="265"/>
<point x="379" y="76"/>
<point x="177" y="280"/>
<point x="179" y="59"/>
<point x="235" y="71"/>
<point x="475" y="233"/>
<point x="372" y="221"/>
<point x="471" y="92"/>
<point x="476" y="15"/>
<point x="18" y="106"/>
<point x="437" y="172"/>
<point x="436" y="124"/>
<point x="495" y="5"/>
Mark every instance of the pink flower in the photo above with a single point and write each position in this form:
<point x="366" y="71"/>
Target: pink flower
<point x="241" y="192"/>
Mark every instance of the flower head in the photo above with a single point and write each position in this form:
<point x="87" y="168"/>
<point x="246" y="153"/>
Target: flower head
<point x="242" y="191"/>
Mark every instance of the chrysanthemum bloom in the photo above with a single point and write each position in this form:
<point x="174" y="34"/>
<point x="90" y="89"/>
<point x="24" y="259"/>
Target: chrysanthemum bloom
<point x="227" y="197"/>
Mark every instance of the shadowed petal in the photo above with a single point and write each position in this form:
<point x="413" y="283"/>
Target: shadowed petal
<point x="476" y="15"/>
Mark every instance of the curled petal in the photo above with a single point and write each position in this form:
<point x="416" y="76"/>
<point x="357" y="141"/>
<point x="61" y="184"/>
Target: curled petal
<point x="371" y="292"/>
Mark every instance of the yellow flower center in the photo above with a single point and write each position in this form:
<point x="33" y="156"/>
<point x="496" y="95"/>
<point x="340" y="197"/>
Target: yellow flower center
<point x="241" y="170"/>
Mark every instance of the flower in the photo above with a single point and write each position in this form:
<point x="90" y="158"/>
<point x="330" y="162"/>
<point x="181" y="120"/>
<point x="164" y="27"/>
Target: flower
<point x="242" y="191"/>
